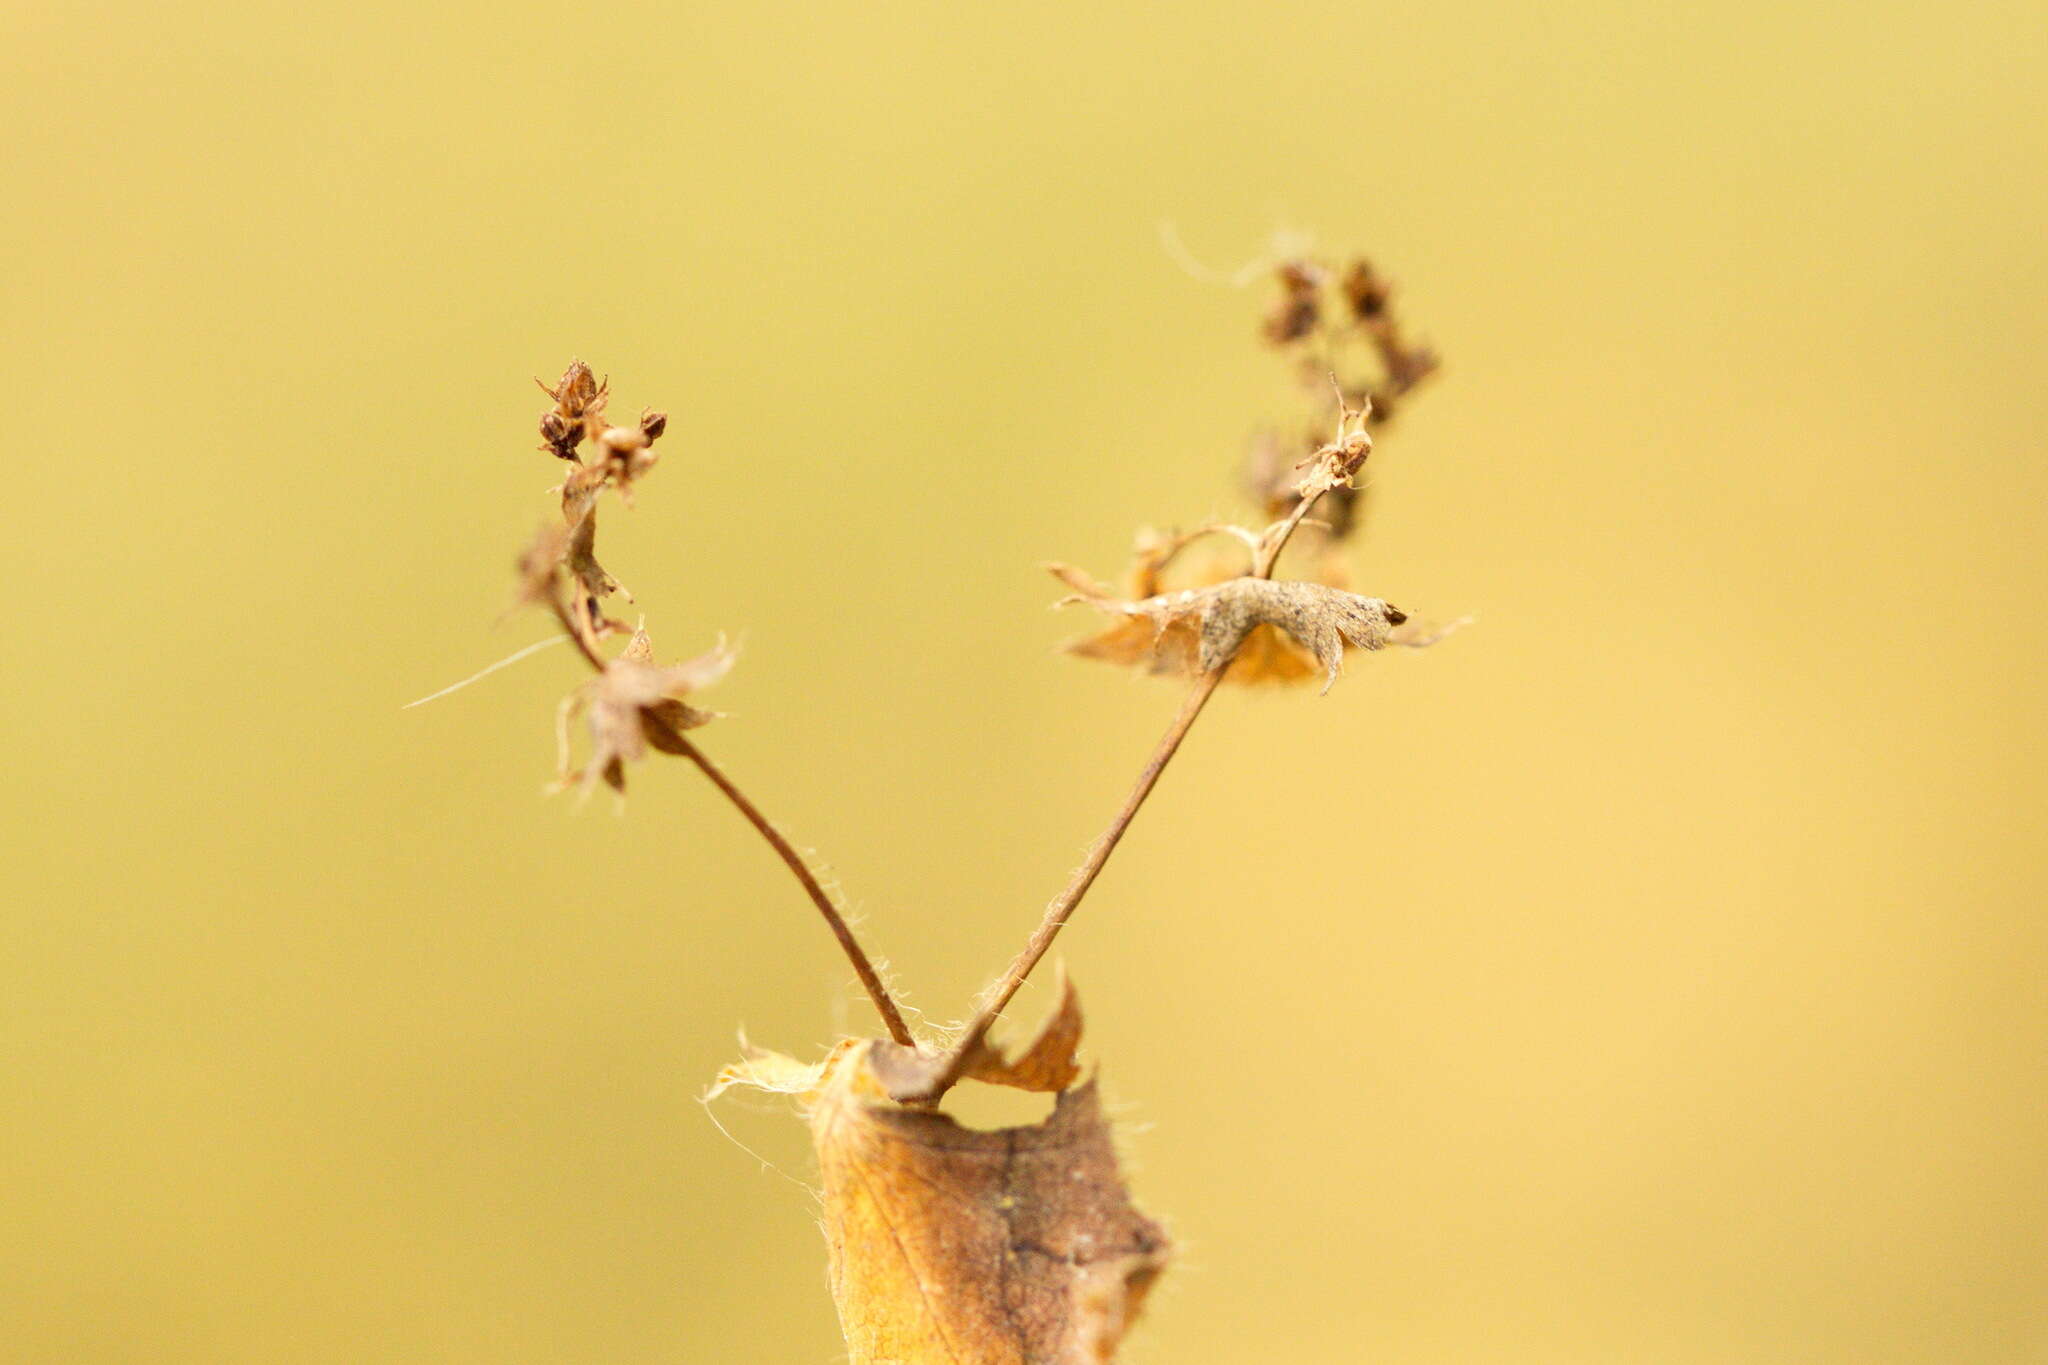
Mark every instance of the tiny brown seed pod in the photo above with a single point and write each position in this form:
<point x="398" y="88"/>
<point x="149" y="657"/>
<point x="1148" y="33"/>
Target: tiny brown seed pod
<point x="558" y="436"/>
<point x="1365" y="291"/>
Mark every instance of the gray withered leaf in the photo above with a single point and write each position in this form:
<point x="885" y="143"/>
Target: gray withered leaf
<point x="1200" y="629"/>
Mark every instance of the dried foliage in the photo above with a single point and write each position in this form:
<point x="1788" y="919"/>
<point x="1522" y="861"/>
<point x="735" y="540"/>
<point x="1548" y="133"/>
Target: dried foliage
<point x="948" y="1244"/>
<point x="1019" y="1246"/>
<point x="1198" y="630"/>
<point x="1259" y="630"/>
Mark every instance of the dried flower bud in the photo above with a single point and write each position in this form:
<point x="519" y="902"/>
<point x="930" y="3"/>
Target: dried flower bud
<point x="653" y="423"/>
<point x="628" y="453"/>
<point x="1299" y="309"/>
<point x="576" y="391"/>
<point x="1365" y="290"/>
<point x="559" y="437"/>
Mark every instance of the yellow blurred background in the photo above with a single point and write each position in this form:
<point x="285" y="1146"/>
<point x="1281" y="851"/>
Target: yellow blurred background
<point x="1654" y="972"/>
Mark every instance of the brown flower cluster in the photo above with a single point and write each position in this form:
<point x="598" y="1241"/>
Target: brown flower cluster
<point x="1349" y="353"/>
<point x="632" y="703"/>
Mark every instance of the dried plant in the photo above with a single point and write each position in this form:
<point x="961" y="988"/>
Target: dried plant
<point x="1019" y="1245"/>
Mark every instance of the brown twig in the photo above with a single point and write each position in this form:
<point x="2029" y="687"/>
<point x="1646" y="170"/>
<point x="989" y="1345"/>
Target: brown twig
<point x="1062" y="908"/>
<point x="870" y="979"/>
<point x="1277" y="536"/>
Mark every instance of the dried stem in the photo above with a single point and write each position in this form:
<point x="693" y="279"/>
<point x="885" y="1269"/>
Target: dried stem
<point x="1062" y="907"/>
<point x="870" y="979"/>
<point x="1277" y="536"/>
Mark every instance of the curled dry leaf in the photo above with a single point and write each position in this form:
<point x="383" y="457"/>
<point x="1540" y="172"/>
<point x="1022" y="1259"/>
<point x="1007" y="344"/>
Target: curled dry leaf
<point x="952" y="1246"/>
<point x="635" y="703"/>
<point x="1276" y="631"/>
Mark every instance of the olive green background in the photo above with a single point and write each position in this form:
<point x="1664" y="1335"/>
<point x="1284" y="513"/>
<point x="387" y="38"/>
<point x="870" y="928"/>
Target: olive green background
<point x="1652" y="973"/>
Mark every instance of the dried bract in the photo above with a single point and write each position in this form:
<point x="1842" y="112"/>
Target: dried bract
<point x="912" y="1075"/>
<point x="626" y="453"/>
<point x="559" y="437"/>
<point x="635" y="703"/>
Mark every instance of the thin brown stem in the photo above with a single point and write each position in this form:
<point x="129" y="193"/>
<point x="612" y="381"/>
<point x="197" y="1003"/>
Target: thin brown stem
<point x="870" y="979"/>
<point x="1278" y="536"/>
<point x="1062" y="907"/>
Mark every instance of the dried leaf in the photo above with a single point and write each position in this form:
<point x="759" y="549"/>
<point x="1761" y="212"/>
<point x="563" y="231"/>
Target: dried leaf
<point x="541" y="580"/>
<point x="635" y="703"/>
<point x="1046" y="1064"/>
<point x="951" y="1246"/>
<point x="1274" y="630"/>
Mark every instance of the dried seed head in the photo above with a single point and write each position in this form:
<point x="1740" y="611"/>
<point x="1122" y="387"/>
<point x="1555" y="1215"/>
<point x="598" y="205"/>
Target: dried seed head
<point x="577" y="391"/>
<point x="559" y="437"/>
<point x="653" y="423"/>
